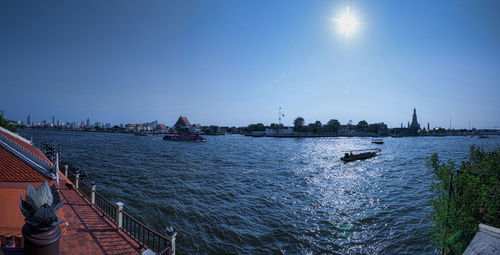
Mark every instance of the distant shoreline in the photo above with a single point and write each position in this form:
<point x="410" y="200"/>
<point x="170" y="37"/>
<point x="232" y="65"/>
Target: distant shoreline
<point x="293" y="135"/>
<point x="373" y="136"/>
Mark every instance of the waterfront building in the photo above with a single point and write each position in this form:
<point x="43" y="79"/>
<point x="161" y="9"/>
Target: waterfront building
<point x="150" y="126"/>
<point x="411" y="129"/>
<point x="131" y="127"/>
<point x="146" y="127"/>
<point x="379" y="128"/>
<point x="28" y="120"/>
<point x="162" y="128"/>
<point x="182" y="124"/>
<point x="21" y="164"/>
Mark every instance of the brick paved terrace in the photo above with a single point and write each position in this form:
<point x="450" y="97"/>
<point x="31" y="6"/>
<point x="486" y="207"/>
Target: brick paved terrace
<point x="89" y="231"/>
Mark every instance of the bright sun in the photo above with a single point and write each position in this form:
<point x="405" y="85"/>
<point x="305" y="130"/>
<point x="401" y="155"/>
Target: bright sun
<point x="347" y="23"/>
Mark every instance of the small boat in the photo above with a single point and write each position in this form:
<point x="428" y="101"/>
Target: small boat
<point x="378" y="141"/>
<point x="184" y="137"/>
<point x="397" y="136"/>
<point x="365" y="154"/>
<point x="140" y="134"/>
<point x="483" y="136"/>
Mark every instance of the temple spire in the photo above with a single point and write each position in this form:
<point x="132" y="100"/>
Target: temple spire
<point x="414" y="122"/>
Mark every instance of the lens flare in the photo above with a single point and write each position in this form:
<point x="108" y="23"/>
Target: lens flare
<point x="347" y="23"/>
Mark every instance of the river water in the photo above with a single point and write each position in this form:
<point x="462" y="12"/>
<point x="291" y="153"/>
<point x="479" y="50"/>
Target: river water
<point x="239" y="195"/>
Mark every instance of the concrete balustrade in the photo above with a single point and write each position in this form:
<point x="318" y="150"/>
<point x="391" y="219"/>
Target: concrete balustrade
<point x="77" y="180"/>
<point x="92" y="193"/>
<point x="119" y="215"/>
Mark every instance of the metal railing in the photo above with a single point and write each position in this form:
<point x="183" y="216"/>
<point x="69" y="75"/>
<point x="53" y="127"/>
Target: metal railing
<point x="145" y="236"/>
<point x="106" y="207"/>
<point x="71" y="176"/>
<point x="85" y="189"/>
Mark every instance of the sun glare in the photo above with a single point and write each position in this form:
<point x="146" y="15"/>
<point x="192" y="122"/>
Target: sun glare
<point x="347" y="23"/>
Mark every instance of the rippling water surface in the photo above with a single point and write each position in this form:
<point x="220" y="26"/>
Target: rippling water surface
<point x="235" y="194"/>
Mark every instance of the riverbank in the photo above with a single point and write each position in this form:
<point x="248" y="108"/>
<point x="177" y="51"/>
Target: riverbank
<point x="288" y="135"/>
<point x="297" y="135"/>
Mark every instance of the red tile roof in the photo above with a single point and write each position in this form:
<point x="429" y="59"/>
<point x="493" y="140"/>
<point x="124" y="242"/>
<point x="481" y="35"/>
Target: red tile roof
<point x="13" y="169"/>
<point x="182" y="122"/>
<point x="32" y="149"/>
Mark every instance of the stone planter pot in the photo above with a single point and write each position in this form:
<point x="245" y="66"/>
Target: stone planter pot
<point x="41" y="241"/>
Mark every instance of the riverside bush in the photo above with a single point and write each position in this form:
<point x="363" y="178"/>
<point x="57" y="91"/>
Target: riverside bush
<point x="464" y="197"/>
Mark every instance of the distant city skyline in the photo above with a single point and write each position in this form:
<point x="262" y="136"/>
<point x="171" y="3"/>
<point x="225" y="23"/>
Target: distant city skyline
<point x="232" y="63"/>
<point x="87" y="122"/>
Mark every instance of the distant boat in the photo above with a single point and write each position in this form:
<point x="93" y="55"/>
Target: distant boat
<point x="483" y="136"/>
<point x="140" y="134"/>
<point x="184" y="137"/>
<point x="365" y="154"/>
<point x="377" y="141"/>
<point x="397" y="136"/>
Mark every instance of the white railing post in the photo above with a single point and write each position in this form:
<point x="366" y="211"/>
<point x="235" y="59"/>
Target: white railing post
<point x="66" y="170"/>
<point x="119" y="215"/>
<point x="92" y="194"/>
<point x="171" y="233"/>
<point x="77" y="180"/>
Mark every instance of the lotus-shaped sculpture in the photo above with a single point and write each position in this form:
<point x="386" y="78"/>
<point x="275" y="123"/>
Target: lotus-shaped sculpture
<point x="41" y="206"/>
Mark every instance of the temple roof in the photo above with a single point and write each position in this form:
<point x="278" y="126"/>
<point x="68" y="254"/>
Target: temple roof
<point x="12" y="169"/>
<point x="182" y="122"/>
<point x="20" y="161"/>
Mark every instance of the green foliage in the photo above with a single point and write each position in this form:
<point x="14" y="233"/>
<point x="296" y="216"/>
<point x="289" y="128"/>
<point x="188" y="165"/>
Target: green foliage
<point x="332" y="126"/>
<point x="464" y="198"/>
<point x="8" y="124"/>
<point x="256" y="127"/>
<point x="315" y="127"/>
<point x="276" y="127"/>
<point x="298" y="124"/>
<point x="362" y="125"/>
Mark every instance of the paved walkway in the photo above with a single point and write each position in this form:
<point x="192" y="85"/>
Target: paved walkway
<point x="88" y="231"/>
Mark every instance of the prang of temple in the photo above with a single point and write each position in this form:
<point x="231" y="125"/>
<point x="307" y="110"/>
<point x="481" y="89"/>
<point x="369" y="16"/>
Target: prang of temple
<point x="414" y="123"/>
<point x="410" y="130"/>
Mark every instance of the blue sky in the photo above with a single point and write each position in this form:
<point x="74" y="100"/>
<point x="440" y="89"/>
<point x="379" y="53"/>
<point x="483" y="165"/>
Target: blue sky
<point x="236" y="62"/>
